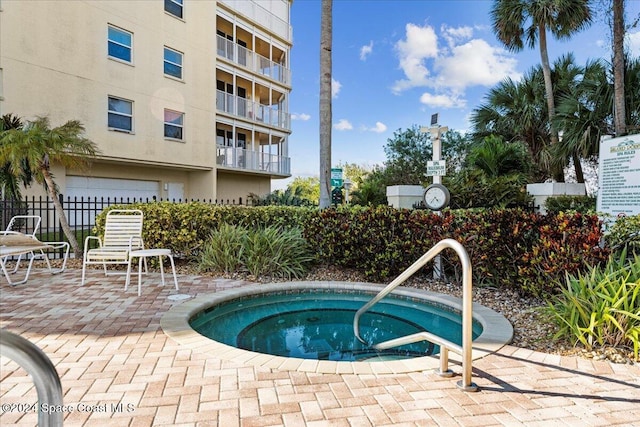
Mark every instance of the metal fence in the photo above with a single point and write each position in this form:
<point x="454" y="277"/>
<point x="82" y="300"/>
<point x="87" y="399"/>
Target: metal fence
<point x="80" y="212"/>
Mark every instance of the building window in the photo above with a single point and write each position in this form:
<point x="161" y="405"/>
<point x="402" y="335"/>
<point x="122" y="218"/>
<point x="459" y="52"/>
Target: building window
<point x="120" y="114"/>
<point x="174" y="7"/>
<point x="120" y="44"/>
<point x="173" y="124"/>
<point x="172" y="63"/>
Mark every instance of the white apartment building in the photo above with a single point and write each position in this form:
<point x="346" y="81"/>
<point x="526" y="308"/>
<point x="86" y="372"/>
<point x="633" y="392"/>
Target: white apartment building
<point x="186" y="99"/>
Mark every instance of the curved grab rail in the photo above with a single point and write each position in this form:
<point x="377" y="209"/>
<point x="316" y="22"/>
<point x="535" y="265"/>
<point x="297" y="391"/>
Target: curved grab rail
<point x="467" y="310"/>
<point x="39" y="366"/>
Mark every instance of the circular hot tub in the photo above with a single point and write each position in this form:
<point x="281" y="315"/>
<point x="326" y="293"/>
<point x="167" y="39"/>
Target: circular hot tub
<point x="309" y="326"/>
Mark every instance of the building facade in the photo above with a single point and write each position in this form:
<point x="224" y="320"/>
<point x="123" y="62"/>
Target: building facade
<point x="185" y="99"/>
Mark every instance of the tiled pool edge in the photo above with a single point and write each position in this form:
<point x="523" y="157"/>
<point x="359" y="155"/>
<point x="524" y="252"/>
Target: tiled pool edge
<point x="497" y="331"/>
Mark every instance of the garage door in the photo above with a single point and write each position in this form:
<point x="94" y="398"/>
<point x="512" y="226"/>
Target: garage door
<point x="91" y="190"/>
<point x="79" y="186"/>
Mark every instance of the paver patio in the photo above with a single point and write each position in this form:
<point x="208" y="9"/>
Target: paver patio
<point x="109" y="348"/>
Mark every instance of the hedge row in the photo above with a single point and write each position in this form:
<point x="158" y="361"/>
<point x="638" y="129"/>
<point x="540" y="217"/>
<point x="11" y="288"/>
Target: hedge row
<point x="507" y="247"/>
<point x="184" y="227"/>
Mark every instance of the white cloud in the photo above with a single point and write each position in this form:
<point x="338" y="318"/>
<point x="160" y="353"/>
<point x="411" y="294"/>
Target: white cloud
<point x="442" y="100"/>
<point x="366" y="51"/>
<point x="474" y="63"/>
<point x="300" y="116"/>
<point x="633" y="44"/>
<point x="456" y="35"/>
<point x="335" y="88"/>
<point x="343" y="124"/>
<point x="421" y="43"/>
<point x="448" y="70"/>
<point x="378" y="128"/>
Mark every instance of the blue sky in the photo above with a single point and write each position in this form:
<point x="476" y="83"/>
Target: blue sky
<point x="396" y="62"/>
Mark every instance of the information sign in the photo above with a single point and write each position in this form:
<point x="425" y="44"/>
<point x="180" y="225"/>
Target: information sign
<point x="436" y="168"/>
<point x="619" y="176"/>
<point x="336" y="177"/>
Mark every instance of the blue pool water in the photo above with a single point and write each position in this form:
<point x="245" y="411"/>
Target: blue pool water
<point x="319" y="325"/>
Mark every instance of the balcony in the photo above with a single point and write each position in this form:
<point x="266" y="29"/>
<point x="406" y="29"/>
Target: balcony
<point x="242" y="159"/>
<point x="253" y="61"/>
<point x="254" y="111"/>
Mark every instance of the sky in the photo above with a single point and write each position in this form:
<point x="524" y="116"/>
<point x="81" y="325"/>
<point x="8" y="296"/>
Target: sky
<point x="397" y="62"/>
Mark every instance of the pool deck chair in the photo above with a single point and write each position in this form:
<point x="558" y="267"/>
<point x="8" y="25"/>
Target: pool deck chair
<point x="122" y="234"/>
<point x="20" y="239"/>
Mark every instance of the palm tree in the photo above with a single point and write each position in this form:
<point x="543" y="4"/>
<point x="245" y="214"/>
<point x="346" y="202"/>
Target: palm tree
<point x="325" y="103"/>
<point x="39" y="145"/>
<point x="632" y="98"/>
<point x="585" y="107"/>
<point x="516" y="111"/>
<point x="495" y="158"/>
<point x="583" y="112"/>
<point x="10" y="182"/>
<point x="619" y="114"/>
<point x="495" y="174"/>
<point x="517" y="21"/>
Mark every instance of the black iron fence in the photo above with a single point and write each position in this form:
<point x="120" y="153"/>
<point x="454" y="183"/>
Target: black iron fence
<point x="80" y="212"/>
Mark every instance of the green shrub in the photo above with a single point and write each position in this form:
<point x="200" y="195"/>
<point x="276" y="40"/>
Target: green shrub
<point x="508" y="247"/>
<point x="260" y="251"/>
<point x="224" y="249"/>
<point x="184" y="227"/>
<point x="601" y="307"/>
<point x="276" y="252"/>
<point x="581" y="204"/>
<point x="625" y="234"/>
<point x="380" y="241"/>
<point x="564" y="243"/>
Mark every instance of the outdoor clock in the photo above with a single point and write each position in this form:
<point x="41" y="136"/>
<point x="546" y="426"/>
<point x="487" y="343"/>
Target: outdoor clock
<point x="437" y="197"/>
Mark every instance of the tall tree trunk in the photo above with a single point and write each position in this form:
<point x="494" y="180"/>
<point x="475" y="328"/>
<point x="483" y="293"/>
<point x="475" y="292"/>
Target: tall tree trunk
<point x="71" y="237"/>
<point x="619" y="112"/>
<point x="558" y="175"/>
<point x="577" y="166"/>
<point x="326" y="31"/>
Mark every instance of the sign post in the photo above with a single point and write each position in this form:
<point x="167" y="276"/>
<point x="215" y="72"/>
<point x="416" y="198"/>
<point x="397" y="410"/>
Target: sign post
<point x="436" y="168"/>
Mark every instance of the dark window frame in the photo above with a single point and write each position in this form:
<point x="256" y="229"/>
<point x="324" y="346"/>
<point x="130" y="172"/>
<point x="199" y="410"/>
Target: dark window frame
<point x="173" y="130"/>
<point x="116" y="117"/>
<point x="175" y="8"/>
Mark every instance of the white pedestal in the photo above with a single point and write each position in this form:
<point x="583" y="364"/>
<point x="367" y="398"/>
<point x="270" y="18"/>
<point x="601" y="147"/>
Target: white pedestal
<point x="542" y="191"/>
<point x="404" y="196"/>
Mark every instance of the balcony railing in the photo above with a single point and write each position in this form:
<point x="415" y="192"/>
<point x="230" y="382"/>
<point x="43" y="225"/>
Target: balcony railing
<point x="253" y="61"/>
<point x="254" y="111"/>
<point x="240" y="158"/>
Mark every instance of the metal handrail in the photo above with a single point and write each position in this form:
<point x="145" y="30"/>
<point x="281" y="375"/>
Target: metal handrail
<point x="467" y="314"/>
<point x="45" y="378"/>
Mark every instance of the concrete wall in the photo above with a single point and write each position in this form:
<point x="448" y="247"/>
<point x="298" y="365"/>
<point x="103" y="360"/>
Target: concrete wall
<point x="234" y="185"/>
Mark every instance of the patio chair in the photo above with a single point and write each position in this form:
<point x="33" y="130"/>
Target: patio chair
<point x="28" y="226"/>
<point x="122" y="234"/>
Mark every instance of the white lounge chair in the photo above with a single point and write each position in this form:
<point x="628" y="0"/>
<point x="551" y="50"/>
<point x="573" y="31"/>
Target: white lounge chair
<point x="20" y="239"/>
<point x="122" y="234"/>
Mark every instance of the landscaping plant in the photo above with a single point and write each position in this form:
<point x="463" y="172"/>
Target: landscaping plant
<point x="625" y="234"/>
<point x="224" y="249"/>
<point x="260" y="251"/>
<point x="601" y="307"/>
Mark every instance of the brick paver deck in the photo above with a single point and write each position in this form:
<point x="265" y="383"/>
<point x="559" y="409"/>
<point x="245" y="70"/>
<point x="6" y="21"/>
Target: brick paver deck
<point x="108" y="348"/>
